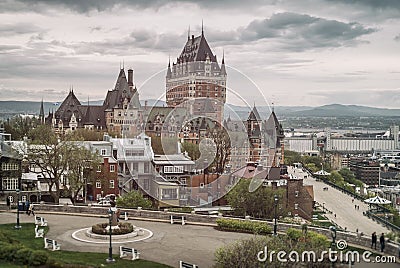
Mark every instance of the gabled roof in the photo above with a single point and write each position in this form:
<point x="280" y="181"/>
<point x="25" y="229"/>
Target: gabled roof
<point x="196" y="49"/>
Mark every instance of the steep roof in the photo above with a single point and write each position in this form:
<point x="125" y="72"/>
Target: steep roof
<point x="196" y="49"/>
<point x="94" y="116"/>
<point x="254" y="115"/>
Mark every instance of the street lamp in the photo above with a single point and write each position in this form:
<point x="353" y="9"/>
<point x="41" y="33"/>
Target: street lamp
<point x="17" y="226"/>
<point x="110" y="258"/>
<point x="275" y="218"/>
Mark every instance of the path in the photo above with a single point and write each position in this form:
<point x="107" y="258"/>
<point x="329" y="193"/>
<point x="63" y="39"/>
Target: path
<point x="341" y="204"/>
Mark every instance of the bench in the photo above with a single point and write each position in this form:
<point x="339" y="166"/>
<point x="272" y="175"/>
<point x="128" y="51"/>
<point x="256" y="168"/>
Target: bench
<point x="38" y="232"/>
<point x="124" y="251"/>
<point x="183" y="264"/>
<point x="179" y="219"/>
<point x="51" y="244"/>
<point x="40" y="221"/>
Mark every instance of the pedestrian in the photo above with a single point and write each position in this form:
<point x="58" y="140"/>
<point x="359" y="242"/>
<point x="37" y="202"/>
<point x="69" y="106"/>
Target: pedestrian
<point x="352" y="200"/>
<point x="31" y="210"/>
<point x="374" y="239"/>
<point x="355" y="206"/>
<point x="357" y="230"/>
<point x="335" y="215"/>
<point x="382" y="241"/>
<point x="26" y="207"/>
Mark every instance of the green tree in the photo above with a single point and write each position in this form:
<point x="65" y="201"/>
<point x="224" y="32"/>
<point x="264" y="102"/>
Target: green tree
<point x="258" y="204"/>
<point x="133" y="199"/>
<point x="19" y="126"/>
<point x="292" y="157"/>
<point x="192" y="149"/>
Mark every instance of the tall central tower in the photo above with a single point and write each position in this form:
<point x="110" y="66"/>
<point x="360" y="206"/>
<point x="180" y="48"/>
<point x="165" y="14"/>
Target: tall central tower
<point x="196" y="75"/>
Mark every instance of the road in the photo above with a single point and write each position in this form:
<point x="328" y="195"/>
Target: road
<point x="342" y="205"/>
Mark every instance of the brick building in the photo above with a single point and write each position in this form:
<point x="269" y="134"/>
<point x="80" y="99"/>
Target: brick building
<point x="365" y="170"/>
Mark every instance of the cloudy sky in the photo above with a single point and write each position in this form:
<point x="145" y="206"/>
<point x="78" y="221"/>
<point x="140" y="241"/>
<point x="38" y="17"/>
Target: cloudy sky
<point x="303" y="52"/>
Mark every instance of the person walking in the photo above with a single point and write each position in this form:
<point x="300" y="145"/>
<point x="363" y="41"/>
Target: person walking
<point x="382" y="241"/>
<point x="31" y="210"/>
<point x="374" y="240"/>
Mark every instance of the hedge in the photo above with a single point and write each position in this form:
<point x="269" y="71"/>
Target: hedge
<point x="244" y="226"/>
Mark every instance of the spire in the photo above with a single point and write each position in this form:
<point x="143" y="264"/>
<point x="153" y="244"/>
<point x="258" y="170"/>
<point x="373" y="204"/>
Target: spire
<point x="223" y="70"/>
<point x="169" y="73"/>
<point x="189" y="33"/>
<point x="41" y="113"/>
<point x="202" y="28"/>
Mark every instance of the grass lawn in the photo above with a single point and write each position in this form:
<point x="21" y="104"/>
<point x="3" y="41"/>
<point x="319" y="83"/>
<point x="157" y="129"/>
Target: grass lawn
<point x="26" y="236"/>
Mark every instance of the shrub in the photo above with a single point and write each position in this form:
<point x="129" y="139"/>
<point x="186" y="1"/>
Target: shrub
<point x="294" y="234"/>
<point x="23" y="255"/>
<point x="38" y="258"/>
<point x="244" y="226"/>
<point x="124" y="228"/>
<point x="8" y="252"/>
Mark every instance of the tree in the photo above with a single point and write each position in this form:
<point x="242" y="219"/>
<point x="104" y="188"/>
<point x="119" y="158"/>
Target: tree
<point x="81" y="170"/>
<point x="60" y="161"/>
<point x="258" y="204"/>
<point x="245" y="253"/>
<point x="19" y="126"/>
<point x="192" y="149"/>
<point x="222" y="147"/>
<point x="292" y="157"/>
<point x="133" y="199"/>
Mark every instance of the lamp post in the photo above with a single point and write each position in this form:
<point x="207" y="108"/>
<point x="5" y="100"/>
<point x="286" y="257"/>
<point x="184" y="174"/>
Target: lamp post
<point x="110" y="258"/>
<point x="17" y="226"/>
<point x="275" y="218"/>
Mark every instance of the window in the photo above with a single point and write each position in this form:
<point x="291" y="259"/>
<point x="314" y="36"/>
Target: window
<point x="10" y="183"/>
<point x="103" y="151"/>
<point x="296" y="206"/>
<point x="296" y="193"/>
<point x="146" y="184"/>
<point x="9" y="166"/>
<point x="112" y="169"/>
<point x="146" y="167"/>
<point x="112" y="184"/>
<point x="169" y="194"/>
<point x="99" y="168"/>
<point x="98" y="184"/>
<point x="23" y="199"/>
<point x="173" y="169"/>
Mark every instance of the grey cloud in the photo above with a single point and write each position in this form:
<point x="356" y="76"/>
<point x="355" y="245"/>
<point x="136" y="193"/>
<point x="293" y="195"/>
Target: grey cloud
<point x="375" y="4"/>
<point x="8" y="48"/>
<point x="18" y="28"/>
<point x="297" y="32"/>
<point x="102" y="5"/>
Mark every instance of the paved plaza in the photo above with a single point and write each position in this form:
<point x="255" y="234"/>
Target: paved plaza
<point x="168" y="245"/>
<point x="342" y="205"/>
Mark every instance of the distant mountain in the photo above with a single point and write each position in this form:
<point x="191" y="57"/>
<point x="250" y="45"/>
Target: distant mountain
<point x="339" y="110"/>
<point x="11" y="108"/>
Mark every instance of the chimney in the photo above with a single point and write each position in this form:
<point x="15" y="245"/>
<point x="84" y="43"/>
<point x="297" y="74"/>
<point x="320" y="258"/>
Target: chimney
<point x="130" y="77"/>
